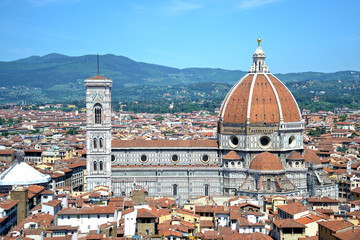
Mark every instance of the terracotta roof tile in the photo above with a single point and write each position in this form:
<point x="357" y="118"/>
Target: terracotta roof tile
<point x="110" y="209"/>
<point x="145" y="213"/>
<point x="308" y="219"/>
<point x="164" y="143"/>
<point x="98" y="77"/>
<point x="8" y="203"/>
<point x="288" y="223"/>
<point x="348" y="235"/>
<point x="293" y="208"/>
<point x="207" y="224"/>
<point x="336" y="225"/>
<point x="321" y="200"/>
<point x="311" y="157"/>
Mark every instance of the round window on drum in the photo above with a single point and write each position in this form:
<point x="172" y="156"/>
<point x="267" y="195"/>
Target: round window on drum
<point x="174" y="158"/>
<point x="205" y="158"/>
<point x="143" y="158"/>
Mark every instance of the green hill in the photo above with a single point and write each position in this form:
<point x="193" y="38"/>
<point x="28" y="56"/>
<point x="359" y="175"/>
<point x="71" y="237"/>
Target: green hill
<point x="60" y="78"/>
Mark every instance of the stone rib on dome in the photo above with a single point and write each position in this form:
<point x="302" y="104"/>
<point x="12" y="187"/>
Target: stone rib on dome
<point x="290" y="109"/>
<point x="234" y="107"/>
<point x="266" y="162"/>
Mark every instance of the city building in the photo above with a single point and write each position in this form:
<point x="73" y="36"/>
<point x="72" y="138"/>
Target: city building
<point x="8" y="215"/>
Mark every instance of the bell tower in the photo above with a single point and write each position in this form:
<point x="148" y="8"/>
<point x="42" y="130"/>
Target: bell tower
<point x="98" y="131"/>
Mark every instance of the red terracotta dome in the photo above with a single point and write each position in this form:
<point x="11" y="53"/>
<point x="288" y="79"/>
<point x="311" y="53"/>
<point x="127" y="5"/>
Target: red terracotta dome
<point x="266" y="162"/>
<point x="260" y="98"/>
<point x="294" y="155"/>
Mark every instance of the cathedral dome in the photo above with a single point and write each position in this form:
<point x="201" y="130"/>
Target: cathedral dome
<point x="259" y="97"/>
<point x="266" y="162"/>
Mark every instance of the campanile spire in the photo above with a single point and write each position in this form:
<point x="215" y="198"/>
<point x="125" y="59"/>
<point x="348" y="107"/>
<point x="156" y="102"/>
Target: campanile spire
<point x="259" y="60"/>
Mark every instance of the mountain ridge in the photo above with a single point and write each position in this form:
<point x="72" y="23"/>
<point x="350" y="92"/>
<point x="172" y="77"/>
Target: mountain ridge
<point x="59" y="78"/>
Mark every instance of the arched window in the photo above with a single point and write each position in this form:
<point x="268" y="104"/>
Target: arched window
<point x="101" y="167"/>
<point x="95" y="166"/>
<point x="98" y="113"/>
<point x="175" y="193"/>
<point x="268" y="184"/>
<point x="95" y="143"/>
<point x="206" y="189"/>
<point x="101" y="143"/>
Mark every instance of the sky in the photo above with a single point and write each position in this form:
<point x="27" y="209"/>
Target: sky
<point x="297" y="35"/>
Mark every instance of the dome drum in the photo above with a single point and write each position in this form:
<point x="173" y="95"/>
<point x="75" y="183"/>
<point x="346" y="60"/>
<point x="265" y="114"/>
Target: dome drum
<point x="277" y="142"/>
<point x="264" y="172"/>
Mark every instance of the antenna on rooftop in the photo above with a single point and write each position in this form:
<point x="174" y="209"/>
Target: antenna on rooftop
<point x="98" y="64"/>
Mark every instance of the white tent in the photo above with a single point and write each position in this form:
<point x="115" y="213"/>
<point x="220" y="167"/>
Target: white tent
<point x="22" y="174"/>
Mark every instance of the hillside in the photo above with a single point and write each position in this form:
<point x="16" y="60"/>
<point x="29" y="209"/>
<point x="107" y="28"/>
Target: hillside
<point x="59" y="78"/>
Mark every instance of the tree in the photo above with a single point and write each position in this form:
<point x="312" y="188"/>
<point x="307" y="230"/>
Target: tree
<point x="317" y="132"/>
<point x="159" y="118"/>
<point x="341" y="149"/>
<point x="10" y="122"/>
<point x="354" y="134"/>
<point x="72" y="131"/>
<point x="342" y="118"/>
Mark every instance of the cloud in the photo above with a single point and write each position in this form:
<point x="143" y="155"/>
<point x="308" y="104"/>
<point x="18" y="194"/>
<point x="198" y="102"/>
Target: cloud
<point x="249" y="4"/>
<point x="179" y="7"/>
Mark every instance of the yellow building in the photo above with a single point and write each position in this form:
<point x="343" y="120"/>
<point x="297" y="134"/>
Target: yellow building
<point x="287" y="229"/>
<point x="272" y="203"/>
<point x="328" y="228"/>
<point x="355" y="194"/>
<point x="186" y="215"/>
<point x="45" y="166"/>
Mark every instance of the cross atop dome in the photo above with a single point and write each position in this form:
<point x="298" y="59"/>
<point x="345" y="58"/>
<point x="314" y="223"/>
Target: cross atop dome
<point x="259" y="60"/>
